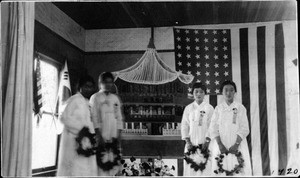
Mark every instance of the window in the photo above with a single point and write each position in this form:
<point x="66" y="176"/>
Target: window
<point x="44" y="132"/>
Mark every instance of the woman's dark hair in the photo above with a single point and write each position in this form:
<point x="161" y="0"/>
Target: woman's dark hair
<point x="83" y="80"/>
<point x="228" y="82"/>
<point x="105" y="75"/>
<point x="199" y="85"/>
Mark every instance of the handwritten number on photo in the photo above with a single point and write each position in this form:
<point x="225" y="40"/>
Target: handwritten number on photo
<point x="289" y="171"/>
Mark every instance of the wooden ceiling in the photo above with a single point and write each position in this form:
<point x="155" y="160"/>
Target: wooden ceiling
<point x="108" y="15"/>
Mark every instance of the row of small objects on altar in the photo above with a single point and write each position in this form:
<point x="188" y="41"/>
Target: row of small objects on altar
<point x="147" y="98"/>
<point x="136" y="111"/>
<point x="147" y="167"/>
<point x="134" y="128"/>
<point x="172" y="129"/>
<point x="135" y="131"/>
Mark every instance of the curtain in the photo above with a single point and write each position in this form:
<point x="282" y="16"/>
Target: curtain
<point x="17" y="89"/>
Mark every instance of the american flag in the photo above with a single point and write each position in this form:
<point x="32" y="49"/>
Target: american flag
<point x="259" y="58"/>
<point x="37" y="89"/>
<point x="206" y="54"/>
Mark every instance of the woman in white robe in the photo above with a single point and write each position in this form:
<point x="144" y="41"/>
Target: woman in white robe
<point x="107" y="117"/>
<point x="229" y="129"/>
<point x="76" y="116"/>
<point x="194" y="127"/>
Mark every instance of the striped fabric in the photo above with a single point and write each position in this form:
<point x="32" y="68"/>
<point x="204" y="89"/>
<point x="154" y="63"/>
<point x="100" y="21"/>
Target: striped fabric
<point x="37" y="89"/>
<point x="259" y="73"/>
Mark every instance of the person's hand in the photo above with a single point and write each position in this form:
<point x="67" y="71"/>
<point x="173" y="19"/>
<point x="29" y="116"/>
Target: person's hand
<point x="189" y="144"/>
<point x="234" y="148"/>
<point x="206" y="144"/>
<point x="99" y="140"/>
<point x="86" y="143"/>
<point x="222" y="148"/>
<point x="98" y="137"/>
<point x="119" y="138"/>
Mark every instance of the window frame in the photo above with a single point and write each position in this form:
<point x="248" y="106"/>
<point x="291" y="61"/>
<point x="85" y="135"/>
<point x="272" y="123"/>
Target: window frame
<point x="58" y="65"/>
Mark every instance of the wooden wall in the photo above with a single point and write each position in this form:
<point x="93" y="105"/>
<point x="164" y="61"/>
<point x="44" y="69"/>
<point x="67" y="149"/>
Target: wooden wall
<point x="57" y="21"/>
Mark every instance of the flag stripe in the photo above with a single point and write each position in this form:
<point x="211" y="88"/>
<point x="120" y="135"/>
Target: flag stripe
<point x="292" y="92"/>
<point x="254" y="104"/>
<point x="236" y="66"/>
<point x="37" y="88"/>
<point x="280" y="95"/>
<point x="271" y="98"/>
<point x="220" y="99"/>
<point x="244" y="52"/>
<point x="206" y="98"/>
<point x="261" y="56"/>
<point x="213" y="100"/>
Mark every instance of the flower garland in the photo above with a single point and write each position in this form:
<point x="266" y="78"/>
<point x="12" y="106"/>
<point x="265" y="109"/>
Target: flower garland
<point x="105" y="149"/>
<point x="86" y="142"/>
<point x="196" y="166"/>
<point x="237" y="167"/>
<point x="133" y="168"/>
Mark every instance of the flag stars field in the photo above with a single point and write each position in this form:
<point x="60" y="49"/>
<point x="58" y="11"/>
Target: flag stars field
<point x="216" y="74"/>
<point x="207" y="90"/>
<point x="205" y="47"/>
